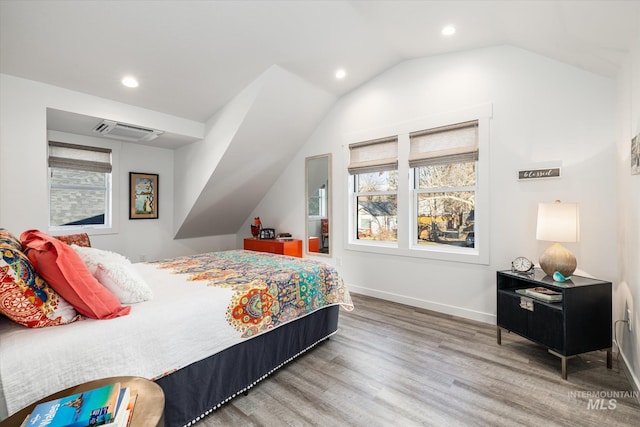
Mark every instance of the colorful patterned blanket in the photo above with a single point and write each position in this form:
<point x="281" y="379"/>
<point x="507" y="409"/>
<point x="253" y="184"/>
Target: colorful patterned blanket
<point x="201" y="306"/>
<point x="269" y="289"/>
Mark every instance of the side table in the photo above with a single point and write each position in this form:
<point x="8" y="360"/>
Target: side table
<point x="580" y="323"/>
<point x="148" y="411"/>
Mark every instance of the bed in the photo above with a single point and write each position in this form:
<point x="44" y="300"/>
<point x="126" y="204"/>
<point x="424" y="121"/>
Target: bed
<point x="217" y="324"/>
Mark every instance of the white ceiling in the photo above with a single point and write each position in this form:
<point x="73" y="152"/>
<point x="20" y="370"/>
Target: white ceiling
<point x="192" y="57"/>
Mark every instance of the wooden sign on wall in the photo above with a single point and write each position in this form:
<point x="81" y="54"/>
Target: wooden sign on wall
<point x="539" y="173"/>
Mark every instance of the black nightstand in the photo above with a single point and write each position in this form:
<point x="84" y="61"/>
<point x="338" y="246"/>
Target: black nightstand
<point x="580" y="323"/>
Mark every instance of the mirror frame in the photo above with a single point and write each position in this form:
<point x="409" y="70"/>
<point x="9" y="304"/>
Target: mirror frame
<point x="306" y="203"/>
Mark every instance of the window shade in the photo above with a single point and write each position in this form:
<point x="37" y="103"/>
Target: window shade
<point x="79" y="157"/>
<point x="448" y="144"/>
<point x="373" y="156"/>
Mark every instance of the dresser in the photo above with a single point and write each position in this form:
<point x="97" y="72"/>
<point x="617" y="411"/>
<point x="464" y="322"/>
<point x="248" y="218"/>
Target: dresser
<point x="281" y="247"/>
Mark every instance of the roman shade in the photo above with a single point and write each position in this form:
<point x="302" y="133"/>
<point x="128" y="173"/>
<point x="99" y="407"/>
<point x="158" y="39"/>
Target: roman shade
<point x="79" y="157"/>
<point x="374" y="155"/>
<point x="447" y="144"/>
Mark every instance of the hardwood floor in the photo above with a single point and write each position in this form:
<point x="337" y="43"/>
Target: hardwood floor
<point x="395" y="365"/>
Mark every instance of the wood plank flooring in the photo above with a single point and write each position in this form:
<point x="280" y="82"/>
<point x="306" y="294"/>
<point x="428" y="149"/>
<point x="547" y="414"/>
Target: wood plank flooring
<point x="395" y="365"/>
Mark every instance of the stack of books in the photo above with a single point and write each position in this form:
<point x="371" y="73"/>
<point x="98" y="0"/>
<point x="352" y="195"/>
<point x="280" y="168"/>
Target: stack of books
<point x="541" y="293"/>
<point x="110" y="405"/>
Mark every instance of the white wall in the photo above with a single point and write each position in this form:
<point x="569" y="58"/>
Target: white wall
<point x="627" y="287"/>
<point x="23" y="168"/>
<point x="543" y="111"/>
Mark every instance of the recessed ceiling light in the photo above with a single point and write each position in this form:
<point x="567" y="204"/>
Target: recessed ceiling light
<point x="448" y="30"/>
<point x="130" y="81"/>
<point x="340" y="74"/>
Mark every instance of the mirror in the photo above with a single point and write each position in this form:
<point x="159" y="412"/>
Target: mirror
<point x="318" y="186"/>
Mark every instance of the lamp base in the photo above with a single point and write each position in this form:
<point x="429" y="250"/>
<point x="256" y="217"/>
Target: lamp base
<point x="558" y="258"/>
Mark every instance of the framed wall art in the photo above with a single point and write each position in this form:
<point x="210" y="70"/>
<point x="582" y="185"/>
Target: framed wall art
<point x="143" y="195"/>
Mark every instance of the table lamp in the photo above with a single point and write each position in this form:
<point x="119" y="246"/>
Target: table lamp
<point x="558" y="222"/>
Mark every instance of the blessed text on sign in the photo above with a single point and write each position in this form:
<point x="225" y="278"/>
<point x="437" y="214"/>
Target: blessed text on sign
<point x="539" y="173"/>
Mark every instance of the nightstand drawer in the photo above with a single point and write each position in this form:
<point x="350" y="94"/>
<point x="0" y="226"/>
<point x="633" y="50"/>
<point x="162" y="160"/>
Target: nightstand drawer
<point x="511" y="315"/>
<point x="535" y="320"/>
<point x="545" y="326"/>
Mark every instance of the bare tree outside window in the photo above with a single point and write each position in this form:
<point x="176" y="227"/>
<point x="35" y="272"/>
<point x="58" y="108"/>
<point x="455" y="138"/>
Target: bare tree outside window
<point x="377" y="206"/>
<point x="445" y="199"/>
<point x="416" y="191"/>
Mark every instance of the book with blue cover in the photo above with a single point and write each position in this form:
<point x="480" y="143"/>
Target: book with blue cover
<point x="89" y="408"/>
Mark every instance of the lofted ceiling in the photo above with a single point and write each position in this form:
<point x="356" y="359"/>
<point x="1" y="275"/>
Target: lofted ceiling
<point x="192" y="57"/>
<point x="201" y="60"/>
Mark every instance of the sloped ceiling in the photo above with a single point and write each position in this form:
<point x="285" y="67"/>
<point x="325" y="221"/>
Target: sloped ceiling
<point x="192" y="57"/>
<point x="279" y="113"/>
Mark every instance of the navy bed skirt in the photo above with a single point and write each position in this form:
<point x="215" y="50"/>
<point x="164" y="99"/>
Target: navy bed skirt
<point x="200" y="388"/>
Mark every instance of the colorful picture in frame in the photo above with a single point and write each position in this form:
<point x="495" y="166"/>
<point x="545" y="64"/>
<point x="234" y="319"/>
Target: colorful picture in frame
<point x="143" y="195"/>
<point x="635" y="155"/>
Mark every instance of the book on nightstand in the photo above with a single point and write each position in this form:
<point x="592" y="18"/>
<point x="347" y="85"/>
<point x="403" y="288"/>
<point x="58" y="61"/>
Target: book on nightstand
<point x="541" y="293"/>
<point x="129" y="410"/>
<point x="102" y="405"/>
<point x="121" y="417"/>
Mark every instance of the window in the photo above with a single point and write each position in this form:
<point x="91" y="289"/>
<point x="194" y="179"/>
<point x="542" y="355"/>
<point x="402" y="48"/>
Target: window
<point x="373" y="166"/>
<point x="426" y="194"/>
<point x="79" y="186"/>
<point x="444" y="184"/>
<point x="318" y="203"/>
<point x="445" y="211"/>
<point x="376" y="195"/>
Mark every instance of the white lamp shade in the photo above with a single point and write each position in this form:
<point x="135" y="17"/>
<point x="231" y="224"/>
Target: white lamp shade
<point x="558" y="222"/>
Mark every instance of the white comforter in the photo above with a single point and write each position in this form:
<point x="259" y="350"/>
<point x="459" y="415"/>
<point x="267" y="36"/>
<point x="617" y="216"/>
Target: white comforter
<point x="169" y="332"/>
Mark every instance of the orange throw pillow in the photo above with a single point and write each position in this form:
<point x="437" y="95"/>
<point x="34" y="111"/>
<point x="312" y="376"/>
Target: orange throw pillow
<point x="65" y="272"/>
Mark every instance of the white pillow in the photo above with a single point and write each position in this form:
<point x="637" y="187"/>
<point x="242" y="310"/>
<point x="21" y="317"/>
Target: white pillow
<point x="93" y="256"/>
<point x="124" y="281"/>
<point x="116" y="273"/>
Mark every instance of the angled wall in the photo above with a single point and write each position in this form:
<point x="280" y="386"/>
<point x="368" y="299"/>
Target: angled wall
<point x="221" y="179"/>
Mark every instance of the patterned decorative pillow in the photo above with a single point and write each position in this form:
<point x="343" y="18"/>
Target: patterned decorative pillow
<point x="6" y="238"/>
<point x="25" y="297"/>
<point x="80" y="239"/>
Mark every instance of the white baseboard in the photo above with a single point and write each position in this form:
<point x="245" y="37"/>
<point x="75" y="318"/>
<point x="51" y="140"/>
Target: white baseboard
<point x="631" y="376"/>
<point x="428" y="305"/>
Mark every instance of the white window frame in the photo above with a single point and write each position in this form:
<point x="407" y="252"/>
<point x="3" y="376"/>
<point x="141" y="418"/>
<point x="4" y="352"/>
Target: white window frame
<point x="113" y="202"/>
<point x="354" y="202"/>
<point x="414" y="210"/>
<point x="406" y="245"/>
<point x="322" y="204"/>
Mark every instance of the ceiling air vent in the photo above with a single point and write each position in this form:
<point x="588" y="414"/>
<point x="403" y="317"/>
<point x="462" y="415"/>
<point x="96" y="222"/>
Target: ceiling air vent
<point x="123" y="131"/>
